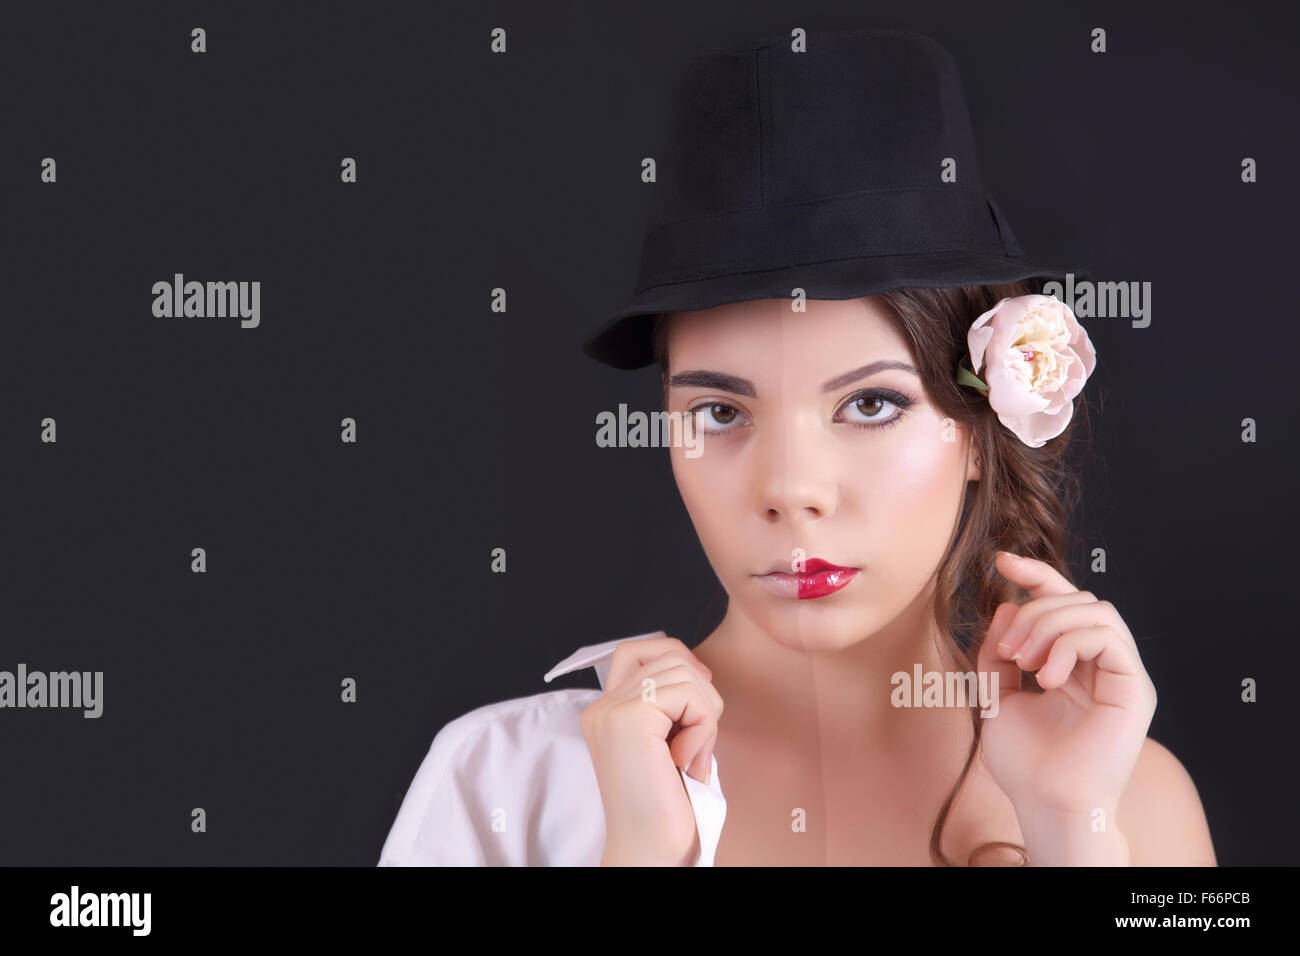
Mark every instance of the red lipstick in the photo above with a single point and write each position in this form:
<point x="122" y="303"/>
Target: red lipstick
<point x="818" y="579"/>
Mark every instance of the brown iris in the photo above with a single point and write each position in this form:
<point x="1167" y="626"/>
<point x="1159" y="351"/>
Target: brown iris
<point x="875" y="400"/>
<point x="727" y="414"/>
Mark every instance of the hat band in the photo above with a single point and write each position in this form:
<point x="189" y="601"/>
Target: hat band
<point x="874" y="222"/>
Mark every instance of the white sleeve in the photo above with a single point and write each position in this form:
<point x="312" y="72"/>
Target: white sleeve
<point x="523" y="759"/>
<point x="710" y="812"/>
<point x="436" y="825"/>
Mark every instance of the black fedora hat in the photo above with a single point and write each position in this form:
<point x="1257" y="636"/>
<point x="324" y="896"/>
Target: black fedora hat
<point x="844" y="170"/>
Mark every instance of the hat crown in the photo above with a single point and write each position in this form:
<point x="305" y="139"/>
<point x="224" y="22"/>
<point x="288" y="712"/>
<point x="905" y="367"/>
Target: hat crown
<point x="766" y="125"/>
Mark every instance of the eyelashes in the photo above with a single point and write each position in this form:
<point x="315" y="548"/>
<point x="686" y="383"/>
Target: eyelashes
<point x="877" y="396"/>
<point x="871" y="404"/>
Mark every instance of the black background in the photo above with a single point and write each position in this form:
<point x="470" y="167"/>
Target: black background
<point x="476" y="429"/>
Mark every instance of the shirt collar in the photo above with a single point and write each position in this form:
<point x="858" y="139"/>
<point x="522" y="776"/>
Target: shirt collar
<point x="595" y="655"/>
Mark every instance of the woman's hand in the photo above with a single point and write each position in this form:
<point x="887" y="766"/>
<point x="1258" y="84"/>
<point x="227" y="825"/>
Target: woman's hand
<point x="659" y="712"/>
<point x="1062" y="755"/>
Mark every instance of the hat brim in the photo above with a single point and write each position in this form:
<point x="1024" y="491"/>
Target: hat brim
<point x="625" y="341"/>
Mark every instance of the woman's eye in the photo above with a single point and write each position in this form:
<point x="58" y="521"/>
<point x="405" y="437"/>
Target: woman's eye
<point x="870" y="409"/>
<point x="715" y="417"/>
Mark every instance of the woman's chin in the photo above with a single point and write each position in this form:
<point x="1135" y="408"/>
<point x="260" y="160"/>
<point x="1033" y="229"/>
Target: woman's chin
<point x="817" y="623"/>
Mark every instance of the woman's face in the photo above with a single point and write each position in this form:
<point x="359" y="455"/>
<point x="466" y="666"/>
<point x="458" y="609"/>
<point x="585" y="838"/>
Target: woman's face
<point x="802" y="446"/>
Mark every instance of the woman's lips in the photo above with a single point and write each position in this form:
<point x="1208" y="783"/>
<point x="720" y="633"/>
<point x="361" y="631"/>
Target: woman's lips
<point x="818" y="579"/>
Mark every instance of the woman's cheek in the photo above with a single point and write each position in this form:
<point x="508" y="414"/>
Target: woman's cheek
<point x="921" y="495"/>
<point x="708" y="490"/>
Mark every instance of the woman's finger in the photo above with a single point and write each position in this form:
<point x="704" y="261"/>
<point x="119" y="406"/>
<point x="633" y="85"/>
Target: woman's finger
<point x="1037" y="577"/>
<point x="1030" y="612"/>
<point x="989" y="659"/>
<point x="630" y="655"/>
<point x="1035" y="645"/>
<point x="1119" y="680"/>
<point x="700" y="761"/>
<point x="684" y="704"/>
<point x="661" y="671"/>
<point x="689" y="744"/>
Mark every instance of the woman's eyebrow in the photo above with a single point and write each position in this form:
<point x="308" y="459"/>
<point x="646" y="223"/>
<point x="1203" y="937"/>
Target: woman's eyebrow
<point x="742" y="386"/>
<point x="718" y="380"/>
<point x="839" y="381"/>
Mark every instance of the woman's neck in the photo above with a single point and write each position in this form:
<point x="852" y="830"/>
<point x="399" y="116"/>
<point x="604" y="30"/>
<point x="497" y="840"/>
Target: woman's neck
<point x="772" y="691"/>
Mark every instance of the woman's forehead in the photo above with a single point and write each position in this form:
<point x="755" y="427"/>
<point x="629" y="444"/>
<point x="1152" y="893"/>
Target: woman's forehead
<point x="766" y="337"/>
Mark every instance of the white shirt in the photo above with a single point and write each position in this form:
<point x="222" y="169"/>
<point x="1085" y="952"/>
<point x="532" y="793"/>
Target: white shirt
<point x="512" y="784"/>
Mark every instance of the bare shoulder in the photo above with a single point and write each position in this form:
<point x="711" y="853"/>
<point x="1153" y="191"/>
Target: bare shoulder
<point x="1160" y="813"/>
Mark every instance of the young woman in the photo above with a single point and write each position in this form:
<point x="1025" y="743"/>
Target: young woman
<point x="882" y="400"/>
<point x="841" y="434"/>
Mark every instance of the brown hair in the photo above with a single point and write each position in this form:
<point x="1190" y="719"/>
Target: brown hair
<point x="1022" y="503"/>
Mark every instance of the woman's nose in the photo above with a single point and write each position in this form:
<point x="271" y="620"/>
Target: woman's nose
<point x="797" y="478"/>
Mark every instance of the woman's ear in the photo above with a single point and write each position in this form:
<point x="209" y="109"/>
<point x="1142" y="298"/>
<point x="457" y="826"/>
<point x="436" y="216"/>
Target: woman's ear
<point x="973" y="472"/>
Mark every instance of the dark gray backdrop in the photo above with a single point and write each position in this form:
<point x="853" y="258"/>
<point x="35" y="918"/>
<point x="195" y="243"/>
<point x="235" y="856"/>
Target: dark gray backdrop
<point x="476" y="429"/>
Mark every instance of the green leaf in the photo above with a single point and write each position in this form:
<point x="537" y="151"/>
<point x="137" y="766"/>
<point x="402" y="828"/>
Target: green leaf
<point x="967" y="377"/>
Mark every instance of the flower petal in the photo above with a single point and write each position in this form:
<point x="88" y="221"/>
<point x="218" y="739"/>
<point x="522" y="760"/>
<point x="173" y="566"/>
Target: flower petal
<point x="977" y="337"/>
<point x="977" y="341"/>
<point x="1008" y="394"/>
<point x="1045" y="426"/>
